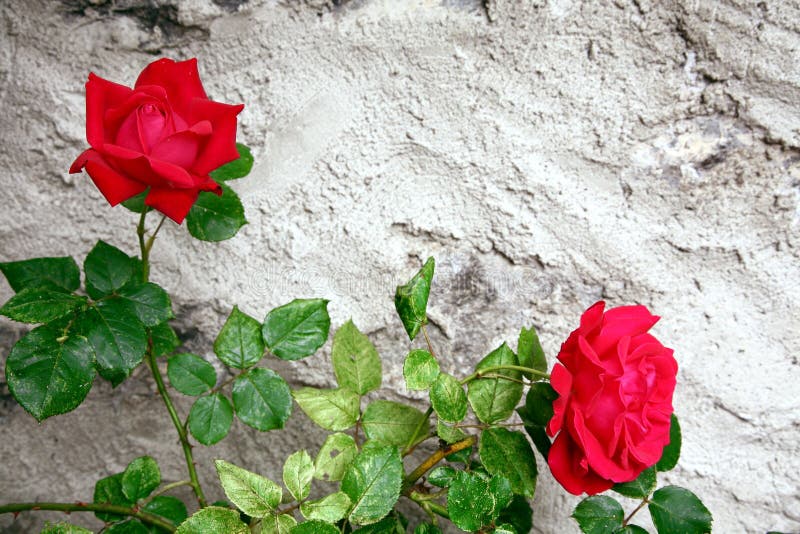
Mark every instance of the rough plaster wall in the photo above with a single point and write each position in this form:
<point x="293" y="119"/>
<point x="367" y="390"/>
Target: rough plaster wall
<point x="548" y="153"/>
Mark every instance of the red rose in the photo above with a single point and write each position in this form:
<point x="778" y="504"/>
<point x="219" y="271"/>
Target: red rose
<point x="164" y="134"/>
<point x="615" y="383"/>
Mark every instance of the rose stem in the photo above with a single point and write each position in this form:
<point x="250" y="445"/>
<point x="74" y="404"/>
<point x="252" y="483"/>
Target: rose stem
<point x="88" y="507"/>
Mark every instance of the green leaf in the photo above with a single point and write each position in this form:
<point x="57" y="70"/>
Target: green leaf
<point x="164" y="339"/>
<point x="109" y="491"/>
<point x="448" y="398"/>
<point x="639" y="488"/>
<point x="411" y="299"/>
<point x="41" y="304"/>
<point x="450" y="434"/>
<point x="355" y="361"/>
<point x="420" y="370"/>
<point x="598" y="514"/>
<point x="530" y="352"/>
<point x="129" y="526"/>
<point x="373" y="483"/>
<point x="238" y="168"/>
<point x="427" y="528"/>
<point x="64" y="528"/>
<point x="277" y="524"/>
<point x="334" y="457"/>
<point x="504" y="529"/>
<point x="298" y="471"/>
<point x="503" y="494"/>
<point x="675" y="509"/>
<point x="107" y="269"/>
<point x="539" y="404"/>
<point x="494" y="399"/>
<point x="315" y="527"/>
<point x="470" y="501"/>
<point x="251" y="493"/>
<point x="62" y="272"/>
<point x="216" y="218"/>
<point x="669" y="458"/>
<point x="330" y="508"/>
<point x="214" y="519"/>
<point x="210" y="418"/>
<point x="633" y="529"/>
<point x="262" y="399"/>
<point x="150" y="303"/>
<point x="239" y="343"/>
<point x="190" y="374"/>
<point x="136" y="203"/>
<point x="392" y="524"/>
<point x="332" y="409"/>
<point x="393" y="423"/>
<point x="118" y="337"/>
<point x="297" y="329"/>
<point x="170" y="508"/>
<point x="540" y="439"/>
<point x="50" y="371"/>
<point x="442" y="476"/>
<point x="140" y="478"/>
<point x="509" y="454"/>
<point x="519" y="514"/>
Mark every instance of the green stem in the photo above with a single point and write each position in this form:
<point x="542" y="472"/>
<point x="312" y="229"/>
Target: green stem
<point x="434" y="459"/>
<point x="411" y="445"/>
<point x="152" y="362"/>
<point x="144" y="517"/>
<point x="168" y="487"/>
<point x="490" y="369"/>
<point x="429" y="505"/>
<point x="630" y="516"/>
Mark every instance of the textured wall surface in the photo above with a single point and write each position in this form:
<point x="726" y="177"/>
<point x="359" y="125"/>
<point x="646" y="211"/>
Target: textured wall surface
<point x="548" y="153"/>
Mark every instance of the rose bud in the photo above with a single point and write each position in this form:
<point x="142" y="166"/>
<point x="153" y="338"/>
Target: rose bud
<point x="164" y="134"/>
<point x="612" y="417"/>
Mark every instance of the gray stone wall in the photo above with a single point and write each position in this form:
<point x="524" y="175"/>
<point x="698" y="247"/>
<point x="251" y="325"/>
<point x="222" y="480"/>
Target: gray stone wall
<point x="548" y="153"/>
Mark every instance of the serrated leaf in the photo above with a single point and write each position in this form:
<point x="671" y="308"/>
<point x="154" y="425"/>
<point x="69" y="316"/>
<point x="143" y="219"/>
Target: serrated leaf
<point x="675" y="509"/>
<point x="507" y="453"/>
<point x="262" y="399"/>
<point x="277" y="524"/>
<point x="210" y="418"/>
<point x="109" y="491"/>
<point x="633" y="529"/>
<point x="118" y="337"/>
<point x="190" y="374"/>
<point x="450" y="434"/>
<point x="598" y="514"/>
<point x="669" y="458"/>
<point x="470" y="501"/>
<point x="41" y="304"/>
<point x="356" y="363"/>
<point x="332" y="409"/>
<point x="519" y="514"/>
<point x="164" y="339"/>
<point x="213" y="519"/>
<point x="334" y="457"/>
<point x="140" y="478"/>
<point x="442" y="476"/>
<point x="298" y="471"/>
<point x="238" y="168"/>
<point x="393" y="423"/>
<point x="149" y="302"/>
<point x="420" y="369"/>
<point x="504" y="528"/>
<point x="500" y="487"/>
<point x="330" y="508"/>
<point x="448" y="398"/>
<point x="411" y="299"/>
<point x="297" y="329"/>
<point x="216" y="218"/>
<point x="168" y="507"/>
<point x="64" y="528"/>
<point x="538" y="408"/>
<point x="107" y="269"/>
<point x="392" y="524"/>
<point x="530" y="352"/>
<point x="373" y="483"/>
<point x="315" y="527"/>
<point x="129" y="526"/>
<point x="50" y="371"/>
<point x="62" y="272"/>
<point x="239" y="343"/>
<point x="540" y="439"/>
<point x="494" y="399"/>
<point x="136" y="203"/>
<point x="639" y="488"/>
<point x="251" y="493"/>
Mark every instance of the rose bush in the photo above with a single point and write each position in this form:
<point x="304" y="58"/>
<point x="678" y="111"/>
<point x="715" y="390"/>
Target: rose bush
<point x="612" y="417"/>
<point x="164" y="134"/>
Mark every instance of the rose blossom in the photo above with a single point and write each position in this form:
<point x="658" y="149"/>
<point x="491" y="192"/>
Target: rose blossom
<point x="164" y="134"/>
<point x="612" y="417"/>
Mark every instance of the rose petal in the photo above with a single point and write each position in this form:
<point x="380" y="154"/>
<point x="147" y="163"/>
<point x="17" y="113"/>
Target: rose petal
<point x="174" y="203"/>
<point x="114" y="186"/>
<point x="221" y="146"/>
<point x="565" y="461"/>
<point x="181" y="148"/>
<point x="180" y="79"/>
<point x="101" y="95"/>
